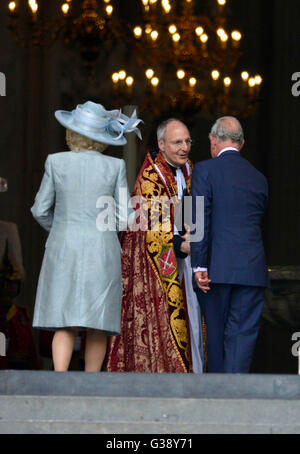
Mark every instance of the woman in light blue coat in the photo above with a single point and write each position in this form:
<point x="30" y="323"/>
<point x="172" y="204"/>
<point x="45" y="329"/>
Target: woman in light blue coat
<point x="83" y="201"/>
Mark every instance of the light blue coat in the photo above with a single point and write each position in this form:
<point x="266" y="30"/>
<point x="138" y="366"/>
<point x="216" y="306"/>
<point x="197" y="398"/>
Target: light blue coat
<point x="80" y="282"/>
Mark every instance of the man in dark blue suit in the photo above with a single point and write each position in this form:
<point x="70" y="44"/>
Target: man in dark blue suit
<point x="229" y="263"/>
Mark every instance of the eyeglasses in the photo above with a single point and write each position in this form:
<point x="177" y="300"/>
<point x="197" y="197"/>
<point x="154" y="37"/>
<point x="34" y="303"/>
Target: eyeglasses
<point x="179" y="143"/>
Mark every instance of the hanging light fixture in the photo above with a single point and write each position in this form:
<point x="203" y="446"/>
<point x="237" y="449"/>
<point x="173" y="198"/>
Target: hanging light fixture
<point x="196" y="54"/>
<point x="86" y="31"/>
<point x="184" y="54"/>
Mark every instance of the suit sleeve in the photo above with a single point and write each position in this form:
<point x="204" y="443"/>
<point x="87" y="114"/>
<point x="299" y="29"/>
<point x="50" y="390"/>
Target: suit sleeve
<point x="201" y="187"/>
<point x="124" y="212"/>
<point x="42" y="209"/>
<point x="177" y="242"/>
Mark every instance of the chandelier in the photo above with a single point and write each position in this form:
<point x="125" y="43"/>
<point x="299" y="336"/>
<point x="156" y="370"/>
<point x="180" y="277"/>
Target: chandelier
<point x="85" y="27"/>
<point x="188" y="58"/>
<point x="182" y="52"/>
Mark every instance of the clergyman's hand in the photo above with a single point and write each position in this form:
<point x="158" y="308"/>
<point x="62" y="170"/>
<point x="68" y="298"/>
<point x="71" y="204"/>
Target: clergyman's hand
<point x="186" y="245"/>
<point x="201" y="277"/>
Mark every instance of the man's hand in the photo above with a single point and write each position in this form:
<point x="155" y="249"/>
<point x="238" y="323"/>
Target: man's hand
<point x="201" y="277"/>
<point x="186" y="245"/>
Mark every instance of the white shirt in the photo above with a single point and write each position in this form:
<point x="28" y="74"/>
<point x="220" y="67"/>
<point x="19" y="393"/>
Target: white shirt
<point x="227" y="149"/>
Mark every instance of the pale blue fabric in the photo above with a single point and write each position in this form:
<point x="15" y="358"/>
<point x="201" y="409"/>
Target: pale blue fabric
<point x="105" y="126"/>
<point x="80" y="282"/>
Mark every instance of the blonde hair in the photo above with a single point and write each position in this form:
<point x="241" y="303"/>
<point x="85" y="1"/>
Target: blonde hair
<point x="77" y="142"/>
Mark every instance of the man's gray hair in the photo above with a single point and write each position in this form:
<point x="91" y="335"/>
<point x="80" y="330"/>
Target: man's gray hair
<point x="161" y="130"/>
<point x="228" y="128"/>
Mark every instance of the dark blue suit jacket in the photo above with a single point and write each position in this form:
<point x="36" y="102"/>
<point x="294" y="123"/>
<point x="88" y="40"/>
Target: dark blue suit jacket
<point x="235" y="200"/>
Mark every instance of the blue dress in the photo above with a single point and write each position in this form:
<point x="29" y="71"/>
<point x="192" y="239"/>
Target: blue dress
<point x="82" y="202"/>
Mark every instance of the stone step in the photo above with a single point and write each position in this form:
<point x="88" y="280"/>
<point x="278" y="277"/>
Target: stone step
<point x="94" y="428"/>
<point x="42" y="402"/>
<point x="77" y="414"/>
<point x="209" y="386"/>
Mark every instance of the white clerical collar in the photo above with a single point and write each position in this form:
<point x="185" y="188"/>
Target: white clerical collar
<point x="227" y="149"/>
<point x="172" y="165"/>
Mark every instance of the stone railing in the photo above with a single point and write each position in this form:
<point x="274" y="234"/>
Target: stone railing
<point x="282" y="305"/>
<point x="279" y="323"/>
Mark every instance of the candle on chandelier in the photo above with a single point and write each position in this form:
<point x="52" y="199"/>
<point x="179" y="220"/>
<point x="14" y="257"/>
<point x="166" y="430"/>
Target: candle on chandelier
<point x="172" y="29"/>
<point x="215" y="75"/>
<point x="122" y="74"/>
<point x="138" y="31"/>
<point x="223" y="36"/>
<point x="176" y="37"/>
<point x="245" y="77"/>
<point x="258" y="80"/>
<point x="236" y="38"/>
<point x="149" y="73"/>
<point x="221" y="4"/>
<point x="129" y="83"/>
<point x="12" y="6"/>
<point x="154" y="35"/>
<point x="199" y="31"/>
<point x="154" y="83"/>
<point x="251" y="85"/>
<point x="204" y="39"/>
<point x="65" y="8"/>
<point x="166" y="6"/>
<point x="115" y="78"/>
<point x="180" y="74"/>
<point x="33" y="6"/>
<point x="224" y="39"/>
<point x="109" y="10"/>
<point x="227" y="83"/>
<point x="148" y="29"/>
<point x="192" y="82"/>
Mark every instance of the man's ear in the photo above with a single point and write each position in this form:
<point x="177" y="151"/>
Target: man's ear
<point x="161" y="145"/>
<point x="212" y="140"/>
<point x="242" y="145"/>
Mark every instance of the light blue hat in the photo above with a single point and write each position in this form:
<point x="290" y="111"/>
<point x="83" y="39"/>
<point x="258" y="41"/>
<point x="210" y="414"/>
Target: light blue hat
<point x="93" y="121"/>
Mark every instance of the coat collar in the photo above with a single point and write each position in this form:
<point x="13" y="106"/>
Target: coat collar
<point x="229" y="151"/>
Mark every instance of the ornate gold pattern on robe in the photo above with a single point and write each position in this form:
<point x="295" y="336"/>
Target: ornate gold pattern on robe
<point x="155" y="335"/>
